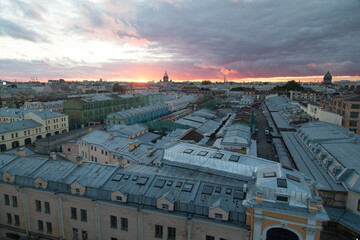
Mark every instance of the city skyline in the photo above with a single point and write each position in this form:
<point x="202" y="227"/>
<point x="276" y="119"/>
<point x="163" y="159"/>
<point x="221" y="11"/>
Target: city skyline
<point x="138" y="40"/>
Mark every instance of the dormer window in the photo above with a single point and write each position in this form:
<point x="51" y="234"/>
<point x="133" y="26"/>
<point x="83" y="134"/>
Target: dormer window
<point x="7" y="179"/>
<point x="77" y="190"/>
<point x="40" y="184"/>
<point x="165" y="206"/>
<point x="218" y="216"/>
<point x="119" y="198"/>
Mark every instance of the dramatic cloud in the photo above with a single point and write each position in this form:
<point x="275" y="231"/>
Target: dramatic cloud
<point x="189" y="39"/>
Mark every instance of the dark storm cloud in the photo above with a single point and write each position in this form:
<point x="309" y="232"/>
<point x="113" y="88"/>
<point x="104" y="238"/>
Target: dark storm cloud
<point x="258" y="38"/>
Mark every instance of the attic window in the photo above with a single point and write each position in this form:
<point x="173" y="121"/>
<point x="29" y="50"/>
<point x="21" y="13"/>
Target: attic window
<point x="218" y="155"/>
<point x="187" y="187"/>
<point x="77" y="190"/>
<point x="291" y="177"/>
<point x="218" y="216"/>
<point x="281" y="182"/>
<point x="165" y="206"/>
<point x="203" y="153"/>
<point x="188" y="151"/>
<point x="40" y="184"/>
<point x="282" y="198"/>
<point x="234" y="158"/>
<point x="207" y="189"/>
<point x="159" y="183"/>
<point x="228" y="191"/>
<point x="118" y="198"/>
<point x="269" y="174"/>
<point x="142" y="181"/>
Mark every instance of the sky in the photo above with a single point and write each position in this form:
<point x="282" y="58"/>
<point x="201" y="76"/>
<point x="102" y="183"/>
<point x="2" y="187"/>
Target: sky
<point x="138" y="40"/>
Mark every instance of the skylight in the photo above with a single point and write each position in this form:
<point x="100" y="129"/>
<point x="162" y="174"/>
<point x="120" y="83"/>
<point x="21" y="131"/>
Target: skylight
<point x="281" y="182"/>
<point x="207" y="189"/>
<point x="203" y="153"/>
<point x="188" y="151"/>
<point x="142" y="181"/>
<point x="218" y="155"/>
<point x="269" y="174"/>
<point x="218" y="189"/>
<point x="159" y="183"/>
<point x="234" y="158"/>
<point x="239" y="194"/>
<point x="291" y="177"/>
<point x="117" y="177"/>
<point x="187" y="187"/>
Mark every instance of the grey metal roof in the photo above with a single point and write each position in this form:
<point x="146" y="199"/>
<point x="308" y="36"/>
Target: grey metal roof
<point x="127" y="130"/>
<point x="20" y="113"/>
<point x="120" y="146"/>
<point x="18" y="125"/>
<point x="306" y="163"/>
<point x="23" y="166"/>
<point x="54" y="170"/>
<point x="345" y="218"/>
<point x="97" y="98"/>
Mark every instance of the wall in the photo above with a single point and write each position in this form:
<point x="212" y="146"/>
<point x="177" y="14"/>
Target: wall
<point x="352" y="202"/>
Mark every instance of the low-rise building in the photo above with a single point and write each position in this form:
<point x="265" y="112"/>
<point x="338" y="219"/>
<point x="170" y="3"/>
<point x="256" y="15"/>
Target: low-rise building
<point x="56" y="106"/>
<point x="180" y="103"/>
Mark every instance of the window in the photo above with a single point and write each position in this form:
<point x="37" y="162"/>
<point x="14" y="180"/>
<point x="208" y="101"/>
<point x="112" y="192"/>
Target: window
<point x="14" y="201"/>
<point x="47" y="207"/>
<point x="84" y="235"/>
<point x="16" y="134"/>
<point x="355" y="106"/>
<point x="202" y="153"/>
<point x="73" y="213"/>
<point x="218" y="216"/>
<point x="358" y="205"/>
<point x="165" y="206"/>
<point x="48" y="227"/>
<point x="353" y="123"/>
<point x="75" y="234"/>
<point x="354" y="114"/>
<point x="210" y="237"/>
<point x="158" y="231"/>
<point x="124" y="224"/>
<point x="38" y="205"/>
<point x="113" y="221"/>
<point x="6" y="199"/>
<point x="171" y="233"/>
<point x="8" y="218"/>
<point x="77" y="191"/>
<point x="188" y="151"/>
<point x="269" y="174"/>
<point x="40" y="226"/>
<point x="118" y="198"/>
<point x="2" y="138"/>
<point x="83" y="215"/>
<point x="17" y="220"/>
<point x="282" y="198"/>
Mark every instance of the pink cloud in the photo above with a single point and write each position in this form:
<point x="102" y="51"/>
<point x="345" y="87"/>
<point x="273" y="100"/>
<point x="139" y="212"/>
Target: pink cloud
<point x="221" y="69"/>
<point x="312" y="65"/>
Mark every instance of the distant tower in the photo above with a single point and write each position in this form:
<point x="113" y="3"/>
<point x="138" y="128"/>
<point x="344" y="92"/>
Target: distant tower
<point x="327" y="78"/>
<point x="224" y="78"/>
<point x="166" y="77"/>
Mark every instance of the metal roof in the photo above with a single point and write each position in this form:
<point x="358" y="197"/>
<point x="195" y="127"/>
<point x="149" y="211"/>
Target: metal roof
<point x="18" y="125"/>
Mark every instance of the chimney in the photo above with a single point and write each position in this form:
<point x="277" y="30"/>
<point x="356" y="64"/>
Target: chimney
<point x="137" y="144"/>
<point x="131" y="146"/>
<point x="111" y="137"/>
<point x="53" y="156"/>
<point x="21" y="152"/>
<point x="149" y="152"/>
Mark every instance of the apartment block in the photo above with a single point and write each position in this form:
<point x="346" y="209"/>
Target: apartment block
<point x="196" y="193"/>
<point x="348" y="106"/>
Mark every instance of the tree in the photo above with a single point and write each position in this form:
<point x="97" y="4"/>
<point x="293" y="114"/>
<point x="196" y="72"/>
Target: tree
<point x="289" y="86"/>
<point x="206" y="82"/>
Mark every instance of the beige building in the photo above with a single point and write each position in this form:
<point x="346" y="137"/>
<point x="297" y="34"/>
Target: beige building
<point x="22" y="127"/>
<point x="250" y="199"/>
<point x="348" y="107"/>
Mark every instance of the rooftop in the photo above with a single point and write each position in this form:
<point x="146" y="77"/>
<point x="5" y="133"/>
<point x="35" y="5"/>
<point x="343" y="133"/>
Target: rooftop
<point x="18" y="125"/>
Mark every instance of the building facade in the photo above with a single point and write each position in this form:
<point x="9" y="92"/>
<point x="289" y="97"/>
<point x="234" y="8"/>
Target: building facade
<point x="56" y="199"/>
<point x="348" y="106"/>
